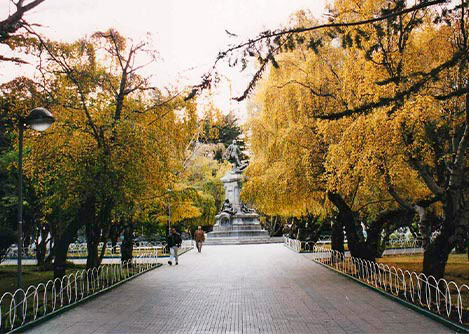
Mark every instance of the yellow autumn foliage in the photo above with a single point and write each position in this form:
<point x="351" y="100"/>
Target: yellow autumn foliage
<point x="297" y="157"/>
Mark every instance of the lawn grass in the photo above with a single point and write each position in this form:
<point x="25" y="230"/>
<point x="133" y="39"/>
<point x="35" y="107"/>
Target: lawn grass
<point x="457" y="268"/>
<point x="31" y="276"/>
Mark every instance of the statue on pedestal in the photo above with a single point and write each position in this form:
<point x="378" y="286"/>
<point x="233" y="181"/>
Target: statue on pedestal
<point x="232" y="154"/>
<point x="235" y="219"/>
<point x="232" y="183"/>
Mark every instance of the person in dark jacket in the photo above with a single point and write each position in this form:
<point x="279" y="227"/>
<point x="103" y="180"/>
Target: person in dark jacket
<point x="174" y="242"/>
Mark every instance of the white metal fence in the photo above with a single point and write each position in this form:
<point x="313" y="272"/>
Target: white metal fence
<point x="80" y="250"/>
<point x="442" y="297"/>
<point x="24" y="306"/>
<point x="396" y="246"/>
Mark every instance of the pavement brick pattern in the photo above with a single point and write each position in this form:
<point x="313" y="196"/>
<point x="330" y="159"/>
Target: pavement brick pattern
<point x="241" y="289"/>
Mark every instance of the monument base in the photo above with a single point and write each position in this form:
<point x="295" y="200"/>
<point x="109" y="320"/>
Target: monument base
<point x="242" y="227"/>
<point x="236" y="223"/>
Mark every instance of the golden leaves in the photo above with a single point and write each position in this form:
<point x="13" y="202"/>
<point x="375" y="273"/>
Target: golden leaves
<point x="296" y="158"/>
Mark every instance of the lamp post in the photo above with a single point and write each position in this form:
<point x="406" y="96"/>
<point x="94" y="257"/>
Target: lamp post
<point x="169" y="218"/>
<point x="39" y="119"/>
<point x="169" y="212"/>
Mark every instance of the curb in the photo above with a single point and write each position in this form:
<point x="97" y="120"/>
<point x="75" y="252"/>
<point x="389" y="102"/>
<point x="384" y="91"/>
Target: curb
<point x="82" y="301"/>
<point x="428" y="314"/>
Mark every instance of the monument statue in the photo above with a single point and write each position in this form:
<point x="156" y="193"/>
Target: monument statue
<point x="232" y="154"/>
<point x="235" y="219"/>
<point x="246" y="209"/>
<point x="227" y="207"/>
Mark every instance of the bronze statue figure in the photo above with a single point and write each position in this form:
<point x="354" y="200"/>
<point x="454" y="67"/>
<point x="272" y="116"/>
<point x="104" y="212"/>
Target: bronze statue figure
<point x="232" y="154"/>
<point x="227" y="207"/>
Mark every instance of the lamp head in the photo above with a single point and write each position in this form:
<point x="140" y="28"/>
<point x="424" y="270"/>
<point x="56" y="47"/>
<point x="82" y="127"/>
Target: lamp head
<point x="40" y="119"/>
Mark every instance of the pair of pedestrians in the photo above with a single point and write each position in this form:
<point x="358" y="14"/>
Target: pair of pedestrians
<point x="175" y="241"/>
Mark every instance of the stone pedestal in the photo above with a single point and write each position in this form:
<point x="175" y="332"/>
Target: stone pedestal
<point x="232" y="183"/>
<point x="241" y="225"/>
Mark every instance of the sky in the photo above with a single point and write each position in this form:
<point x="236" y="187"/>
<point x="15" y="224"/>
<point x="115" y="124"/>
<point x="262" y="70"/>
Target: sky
<point x="188" y="34"/>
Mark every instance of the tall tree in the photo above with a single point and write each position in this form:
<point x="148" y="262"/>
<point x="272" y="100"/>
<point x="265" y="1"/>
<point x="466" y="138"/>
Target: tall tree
<point x="115" y="137"/>
<point x="402" y="153"/>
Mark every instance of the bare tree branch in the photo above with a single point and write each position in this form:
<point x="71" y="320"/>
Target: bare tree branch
<point x="459" y="161"/>
<point x="426" y="177"/>
<point x="61" y="61"/>
<point x="14" y="22"/>
<point x="13" y="59"/>
<point x="267" y="35"/>
<point x="387" y="101"/>
<point x="312" y="90"/>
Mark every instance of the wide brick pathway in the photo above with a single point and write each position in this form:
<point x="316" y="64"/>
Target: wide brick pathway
<point x="241" y="289"/>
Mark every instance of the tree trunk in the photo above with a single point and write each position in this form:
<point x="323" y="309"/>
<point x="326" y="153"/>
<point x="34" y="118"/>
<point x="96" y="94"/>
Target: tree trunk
<point x="453" y="230"/>
<point x="346" y="217"/>
<point x="436" y="254"/>
<point x="370" y="248"/>
<point x="92" y="247"/>
<point x="127" y="243"/>
<point x="389" y="221"/>
<point x="98" y="231"/>
<point x="462" y="247"/>
<point x="114" y="236"/>
<point x="101" y="255"/>
<point x="61" y="246"/>
<point x="106" y="234"/>
<point x="273" y="226"/>
<point x="48" y="262"/>
<point x="337" y="237"/>
<point x="41" y="246"/>
<point x="41" y="253"/>
<point x="92" y="238"/>
<point x="373" y="239"/>
<point x="60" y="250"/>
<point x="62" y="242"/>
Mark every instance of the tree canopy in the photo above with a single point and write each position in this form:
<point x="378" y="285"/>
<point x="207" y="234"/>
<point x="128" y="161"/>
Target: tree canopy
<point x="374" y="119"/>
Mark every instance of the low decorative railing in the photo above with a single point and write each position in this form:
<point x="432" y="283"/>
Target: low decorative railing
<point x="80" y="251"/>
<point x="408" y="247"/>
<point x="392" y="247"/>
<point x="187" y="245"/>
<point x="25" y="306"/>
<point x="298" y="245"/>
<point x="403" y="243"/>
<point x="442" y="297"/>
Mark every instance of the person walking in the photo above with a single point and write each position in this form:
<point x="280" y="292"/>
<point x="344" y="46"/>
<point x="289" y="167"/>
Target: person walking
<point x="199" y="237"/>
<point x="174" y="242"/>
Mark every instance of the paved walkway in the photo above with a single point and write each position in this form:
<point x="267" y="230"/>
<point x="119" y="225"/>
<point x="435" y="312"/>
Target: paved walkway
<point x="241" y="289"/>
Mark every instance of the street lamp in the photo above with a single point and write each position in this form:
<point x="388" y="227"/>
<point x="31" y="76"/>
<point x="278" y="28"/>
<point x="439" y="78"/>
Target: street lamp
<point x="39" y="119"/>
<point x="169" y="212"/>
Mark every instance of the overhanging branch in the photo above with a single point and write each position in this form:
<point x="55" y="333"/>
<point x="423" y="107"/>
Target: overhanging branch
<point x="387" y="101"/>
<point x="208" y="77"/>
